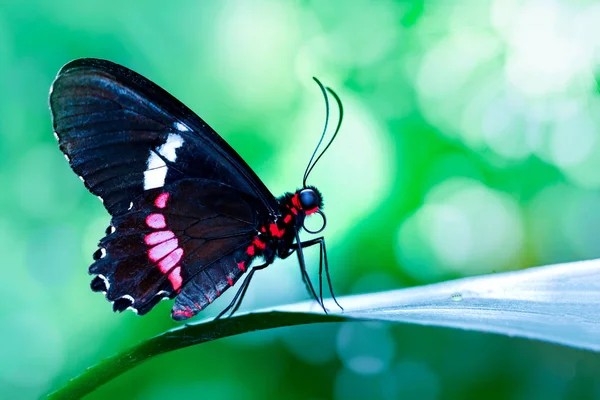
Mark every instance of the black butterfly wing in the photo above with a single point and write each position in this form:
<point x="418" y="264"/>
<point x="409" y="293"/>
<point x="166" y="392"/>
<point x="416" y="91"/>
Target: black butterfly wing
<point x="123" y="134"/>
<point x="191" y="230"/>
<point x="138" y="148"/>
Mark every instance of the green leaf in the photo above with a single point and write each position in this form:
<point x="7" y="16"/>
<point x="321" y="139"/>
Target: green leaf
<point x="557" y="304"/>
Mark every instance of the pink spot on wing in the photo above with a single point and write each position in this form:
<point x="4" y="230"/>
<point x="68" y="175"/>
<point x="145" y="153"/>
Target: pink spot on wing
<point x="158" y="237"/>
<point x="230" y="281"/>
<point x="156" y="221"/>
<point x="241" y="266"/>
<point x="208" y="298"/>
<point x="287" y="218"/>
<point x="175" y="278"/>
<point x="250" y="250"/>
<point x="161" y="200"/>
<point x="171" y="260"/>
<point x="161" y="250"/>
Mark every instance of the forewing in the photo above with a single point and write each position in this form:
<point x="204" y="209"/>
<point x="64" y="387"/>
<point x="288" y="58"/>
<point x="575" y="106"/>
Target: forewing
<point x="124" y="135"/>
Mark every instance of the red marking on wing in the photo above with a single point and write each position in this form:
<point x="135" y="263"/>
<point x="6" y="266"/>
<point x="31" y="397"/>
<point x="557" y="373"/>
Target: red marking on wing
<point x="259" y="244"/>
<point x="230" y="281"/>
<point x="198" y="306"/>
<point x="263" y="229"/>
<point x="161" y="200"/>
<point x="275" y="231"/>
<point x="158" y="237"/>
<point x="171" y="260"/>
<point x="287" y="218"/>
<point x="250" y="250"/>
<point x="156" y="221"/>
<point x="208" y="298"/>
<point x="240" y="266"/>
<point x="159" y="251"/>
<point x="175" y="278"/>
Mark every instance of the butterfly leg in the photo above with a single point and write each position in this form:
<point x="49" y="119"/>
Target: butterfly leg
<point x="239" y="296"/>
<point x="323" y="264"/>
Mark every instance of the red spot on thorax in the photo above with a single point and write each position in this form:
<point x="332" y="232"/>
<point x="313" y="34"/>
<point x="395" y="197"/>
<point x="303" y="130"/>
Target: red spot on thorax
<point x="240" y="266"/>
<point x="275" y="231"/>
<point x="314" y="210"/>
<point x="294" y="210"/>
<point x="259" y="244"/>
<point x="161" y="200"/>
<point x="296" y="201"/>
<point x="287" y="218"/>
<point x="263" y="229"/>
<point x="250" y="250"/>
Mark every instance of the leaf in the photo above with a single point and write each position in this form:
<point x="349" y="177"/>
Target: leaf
<point x="557" y="304"/>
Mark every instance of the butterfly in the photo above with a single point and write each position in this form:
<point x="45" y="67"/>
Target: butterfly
<point x="188" y="215"/>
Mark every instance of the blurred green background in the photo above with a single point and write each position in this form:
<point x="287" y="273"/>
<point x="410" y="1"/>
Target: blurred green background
<point x="471" y="146"/>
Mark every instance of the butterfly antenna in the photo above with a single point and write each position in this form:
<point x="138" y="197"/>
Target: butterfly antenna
<point x="308" y="166"/>
<point x="337" y="129"/>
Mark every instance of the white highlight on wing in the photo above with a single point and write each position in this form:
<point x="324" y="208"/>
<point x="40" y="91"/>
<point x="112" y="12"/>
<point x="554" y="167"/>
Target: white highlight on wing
<point x="156" y="169"/>
<point x="181" y="127"/>
<point x="106" y="282"/>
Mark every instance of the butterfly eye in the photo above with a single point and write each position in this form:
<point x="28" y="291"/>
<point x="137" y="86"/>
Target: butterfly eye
<point x="309" y="199"/>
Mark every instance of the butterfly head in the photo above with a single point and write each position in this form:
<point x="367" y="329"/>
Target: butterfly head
<point x="308" y="200"/>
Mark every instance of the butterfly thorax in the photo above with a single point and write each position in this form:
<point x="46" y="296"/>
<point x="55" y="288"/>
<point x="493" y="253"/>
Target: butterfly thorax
<point x="276" y="236"/>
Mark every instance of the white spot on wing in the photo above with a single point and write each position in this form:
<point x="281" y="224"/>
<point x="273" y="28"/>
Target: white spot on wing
<point x="106" y="283"/>
<point x="56" y="136"/>
<point x="128" y="297"/>
<point x="156" y="171"/>
<point x="181" y="127"/>
<point x="102" y="255"/>
<point x="130" y="206"/>
<point x="167" y="150"/>
<point x="67" y="157"/>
